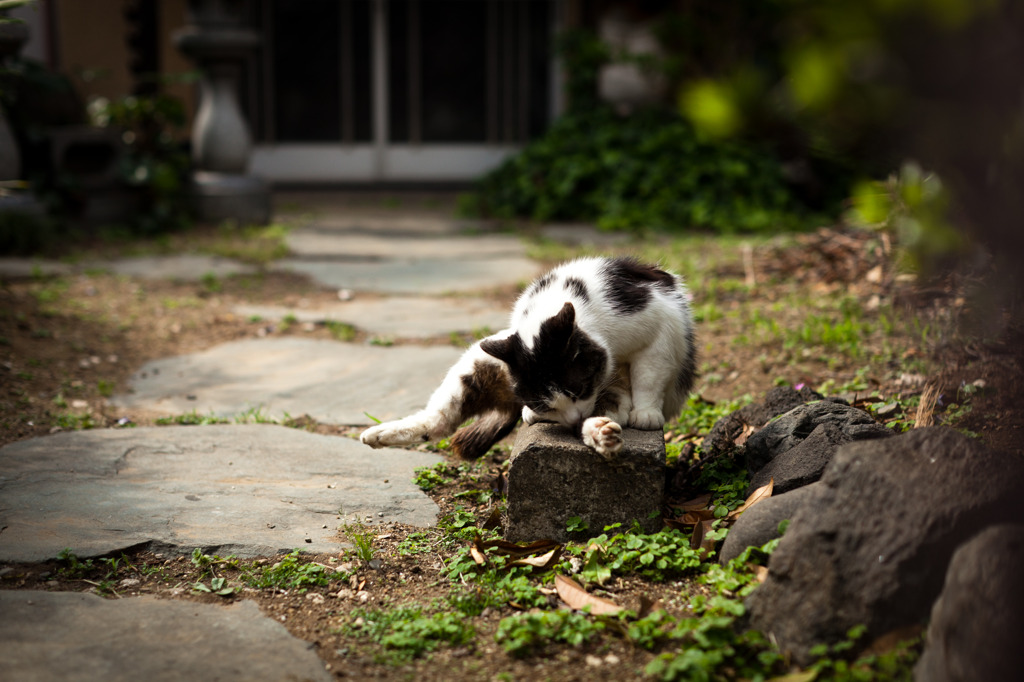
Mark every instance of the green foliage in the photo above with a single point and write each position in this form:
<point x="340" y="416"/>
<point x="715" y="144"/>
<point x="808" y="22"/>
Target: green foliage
<point x="340" y="330"/>
<point x="290" y="573"/>
<point x="407" y="633"/>
<point x="156" y="163"/>
<point x="657" y="557"/>
<point x="430" y="477"/>
<point x="362" y="539"/>
<point x="192" y="418"/>
<point x="73" y="567"/>
<point x="414" y="543"/>
<point x="525" y="633"/>
<point x="699" y="414"/>
<point x="218" y="586"/>
<point x="648" y="171"/>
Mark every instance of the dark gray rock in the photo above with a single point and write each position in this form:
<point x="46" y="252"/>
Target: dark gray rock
<point x="74" y="637"/>
<point x="977" y="625"/>
<point x="778" y="400"/>
<point x="553" y="476"/>
<point x="871" y="545"/>
<point x="760" y="523"/>
<point x="804" y="462"/>
<point x="795" y="428"/>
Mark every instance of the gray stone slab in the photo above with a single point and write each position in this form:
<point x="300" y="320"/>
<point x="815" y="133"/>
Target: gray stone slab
<point x="430" y="277"/>
<point x="397" y="316"/>
<point x="25" y="268"/>
<point x="250" y="490"/>
<point x="323" y="243"/>
<point x="184" y="267"/>
<point x="333" y="382"/>
<point x="77" y="637"/>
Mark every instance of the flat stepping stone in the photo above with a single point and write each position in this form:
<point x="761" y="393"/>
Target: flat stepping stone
<point x="430" y="277"/>
<point x="404" y="317"/>
<point x="332" y="382"/>
<point x="248" y="490"/>
<point x="324" y="244"/>
<point x="76" y="637"/>
<point x="26" y="268"/>
<point x="186" y="267"/>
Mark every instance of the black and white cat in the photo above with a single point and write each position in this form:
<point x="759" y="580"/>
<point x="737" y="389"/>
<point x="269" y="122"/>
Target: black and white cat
<point x="595" y="344"/>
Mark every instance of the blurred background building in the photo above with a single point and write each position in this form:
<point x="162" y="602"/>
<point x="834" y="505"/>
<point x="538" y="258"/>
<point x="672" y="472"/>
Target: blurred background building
<point x="342" y="91"/>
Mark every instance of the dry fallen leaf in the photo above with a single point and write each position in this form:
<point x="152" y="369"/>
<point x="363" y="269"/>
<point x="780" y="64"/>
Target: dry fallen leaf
<point x="543" y="561"/>
<point x="477" y="555"/>
<point x="762" y="493"/>
<point x="747" y="432"/>
<point x="700" y="539"/>
<point x="576" y="597"/>
<point x="493" y="520"/>
<point x="760" y="573"/>
<point x="697" y="503"/>
<point x="511" y="548"/>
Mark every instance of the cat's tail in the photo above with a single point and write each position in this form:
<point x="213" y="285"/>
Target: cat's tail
<point x="473" y="441"/>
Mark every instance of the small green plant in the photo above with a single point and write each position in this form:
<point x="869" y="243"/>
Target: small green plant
<point x="362" y="539"/>
<point x="414" y="543"/>
<point x="192" y="418"/>
<point x="524" y="634"/>
<point x="218" y="586"/>
<point x="430" y="477"/>
<point x="73" y="567"/>
<point x="658" y="557"/>
<point x="290" y="572"/>
<point x="211" y="282"/>
<point x="105" y="388"/>
<point x="576" y="524"/>
<point x="72" y="421"/>
<point x="341" y="331"/>
<point x="407" y="633"/>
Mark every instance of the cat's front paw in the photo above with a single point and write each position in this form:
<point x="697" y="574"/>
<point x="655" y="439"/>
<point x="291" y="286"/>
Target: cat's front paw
<point x="394" y="433"/>
<point x="603" y="435"/>
<point x="646" y="420"/>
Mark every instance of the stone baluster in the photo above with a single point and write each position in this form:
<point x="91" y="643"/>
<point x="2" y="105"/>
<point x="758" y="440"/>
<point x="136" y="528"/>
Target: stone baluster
<point x="217" y="40"/>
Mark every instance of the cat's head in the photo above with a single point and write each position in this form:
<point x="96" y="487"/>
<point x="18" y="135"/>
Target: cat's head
<point x="560" y="375"/>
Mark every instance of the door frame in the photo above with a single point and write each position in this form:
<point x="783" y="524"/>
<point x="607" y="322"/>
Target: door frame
<point x="382" y="160"/>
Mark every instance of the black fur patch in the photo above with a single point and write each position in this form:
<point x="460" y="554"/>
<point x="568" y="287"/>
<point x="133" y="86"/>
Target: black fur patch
<point x="628" y="284"/>
<point x="578" y="288"/>
<point x="486" y="389"/>
<point x="476" y="439"/>
<point x="688" y="372"/>
<point x="571" y="365"/>
<point x="540" y="285"/>
<point x="608" y="402"/>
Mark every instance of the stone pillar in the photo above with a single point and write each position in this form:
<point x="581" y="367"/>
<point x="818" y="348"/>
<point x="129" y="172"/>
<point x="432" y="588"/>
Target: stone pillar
<point x="12" y="37"/>
<point x="217" y="39"/>
<point x="21" y="202"/>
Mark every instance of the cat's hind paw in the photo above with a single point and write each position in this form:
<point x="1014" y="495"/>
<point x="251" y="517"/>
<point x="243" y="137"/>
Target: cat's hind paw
<point x="396" y="433"/>
<point x="603" y="435"/>
<point x="646" y="420"/>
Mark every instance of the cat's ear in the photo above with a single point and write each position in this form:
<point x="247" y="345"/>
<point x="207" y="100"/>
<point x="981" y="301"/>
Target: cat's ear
<point x="564" y="324"/>
<point x="565" y="320"/>
<point x="505" y="349"/>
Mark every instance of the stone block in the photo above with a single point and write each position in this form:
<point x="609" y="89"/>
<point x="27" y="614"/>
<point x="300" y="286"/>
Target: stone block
<point x="553" y="476"/>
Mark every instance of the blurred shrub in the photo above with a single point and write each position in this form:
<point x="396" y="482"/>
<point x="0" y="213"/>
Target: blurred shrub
<point x="648" y="170"/>
<point x="156" y="164"/>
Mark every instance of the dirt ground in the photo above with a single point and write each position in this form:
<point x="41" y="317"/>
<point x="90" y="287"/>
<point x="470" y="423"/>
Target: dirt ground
<point x="67" y="344"/>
